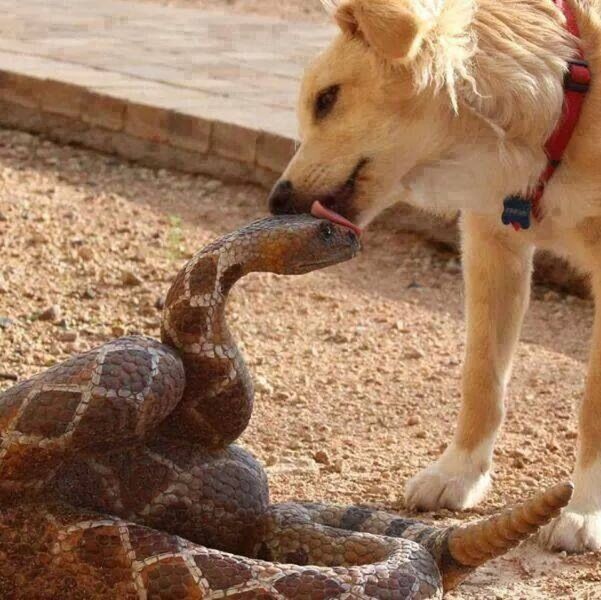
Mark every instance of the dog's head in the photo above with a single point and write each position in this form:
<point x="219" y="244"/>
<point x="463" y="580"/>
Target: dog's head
<point x="367" y="116"/>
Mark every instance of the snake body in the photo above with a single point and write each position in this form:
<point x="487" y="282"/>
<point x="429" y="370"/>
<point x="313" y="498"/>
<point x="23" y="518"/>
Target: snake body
<point x="119" y="479"/>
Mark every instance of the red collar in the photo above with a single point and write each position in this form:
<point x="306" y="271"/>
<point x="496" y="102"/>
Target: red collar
<point x="576" y="84"/>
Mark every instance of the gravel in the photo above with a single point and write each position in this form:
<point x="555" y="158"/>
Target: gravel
<point x="349" y="405"/>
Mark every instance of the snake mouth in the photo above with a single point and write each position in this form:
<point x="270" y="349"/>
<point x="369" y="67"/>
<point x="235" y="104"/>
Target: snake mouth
<point x="322" y="264"/>
<point x="342" y="255"/>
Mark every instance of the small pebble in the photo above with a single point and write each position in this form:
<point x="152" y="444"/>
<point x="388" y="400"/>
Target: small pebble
<point x="131" y="279"/>
<point x="338" y="338"/>
<point x="453" y="266"/>
<point x="338" y="466"/>
<point x="5" y="322"/>
<point x="262" y="385"/>
<point x="295" y="465"/>
<point x="400" y="326"/>
<point x="8" y="376"/>
<point x="414" y="420"/>
<point x="68" y="336"/>
<point x="52" y="313"/>
<point x="118" y="331"/>
<point x="38" y="238"/>
<point x="413" y="354"/>
<point x="85" y="253"/>
<point x="321" y="456"/>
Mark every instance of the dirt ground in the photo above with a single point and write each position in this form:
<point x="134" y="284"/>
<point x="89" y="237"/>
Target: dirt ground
<point x="357" y="366"/>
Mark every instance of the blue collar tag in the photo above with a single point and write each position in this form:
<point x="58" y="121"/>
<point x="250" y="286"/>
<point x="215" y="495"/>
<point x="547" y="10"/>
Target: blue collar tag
<point x="516" y="212"/>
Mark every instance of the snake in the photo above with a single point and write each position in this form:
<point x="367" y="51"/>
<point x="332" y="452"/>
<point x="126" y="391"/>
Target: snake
<point x="120" y="478"/>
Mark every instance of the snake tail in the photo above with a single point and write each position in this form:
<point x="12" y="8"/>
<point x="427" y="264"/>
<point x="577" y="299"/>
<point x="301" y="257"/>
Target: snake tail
<point x="470" y="546"/>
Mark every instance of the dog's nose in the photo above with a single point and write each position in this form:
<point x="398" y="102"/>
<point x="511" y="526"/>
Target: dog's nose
<point x="281" y="199"/>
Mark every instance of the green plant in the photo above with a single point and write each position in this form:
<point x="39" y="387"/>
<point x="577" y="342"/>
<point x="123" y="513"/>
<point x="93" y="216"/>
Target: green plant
<point x="175" y="238"/>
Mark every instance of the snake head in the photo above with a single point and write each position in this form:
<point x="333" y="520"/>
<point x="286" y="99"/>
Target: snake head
<point x="296" y="244"/>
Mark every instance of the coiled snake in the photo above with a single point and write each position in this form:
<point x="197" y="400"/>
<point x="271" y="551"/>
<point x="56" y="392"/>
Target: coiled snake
<point x="118" y="480"/>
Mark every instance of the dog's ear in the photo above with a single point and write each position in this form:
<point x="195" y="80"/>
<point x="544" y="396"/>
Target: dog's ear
<point x="390" y="27"/>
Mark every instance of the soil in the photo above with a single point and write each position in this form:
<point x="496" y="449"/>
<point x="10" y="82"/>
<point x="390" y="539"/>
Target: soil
<point x="357" y="367"/>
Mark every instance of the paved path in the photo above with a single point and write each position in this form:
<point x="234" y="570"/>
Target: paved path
<point x="220" y="86"/>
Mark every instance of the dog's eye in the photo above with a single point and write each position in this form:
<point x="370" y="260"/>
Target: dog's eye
<point x="325" y="101"/>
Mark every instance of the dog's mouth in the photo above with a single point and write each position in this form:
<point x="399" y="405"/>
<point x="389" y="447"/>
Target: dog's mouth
<point x="337" y="207"/>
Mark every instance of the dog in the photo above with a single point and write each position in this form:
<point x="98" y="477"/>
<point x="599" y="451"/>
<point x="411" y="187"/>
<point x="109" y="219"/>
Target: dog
<point x="448" y="105"/>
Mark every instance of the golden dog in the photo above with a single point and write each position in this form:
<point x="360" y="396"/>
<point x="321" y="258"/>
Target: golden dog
<point x="447" y="104"/>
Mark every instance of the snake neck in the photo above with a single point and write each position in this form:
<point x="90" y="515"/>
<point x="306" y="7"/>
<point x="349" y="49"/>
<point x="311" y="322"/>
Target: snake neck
<point x="194" y="313"/>
<point x="218" y="395"/>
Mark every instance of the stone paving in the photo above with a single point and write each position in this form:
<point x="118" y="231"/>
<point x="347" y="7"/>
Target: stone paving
<point x="187" y="88"/>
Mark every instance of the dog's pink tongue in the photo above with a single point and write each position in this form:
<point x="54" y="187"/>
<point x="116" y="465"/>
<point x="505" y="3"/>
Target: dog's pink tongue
<point x="319" y="211"/>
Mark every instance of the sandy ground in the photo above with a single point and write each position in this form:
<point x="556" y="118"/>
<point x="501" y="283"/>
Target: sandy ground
<point x="359" y="363"/>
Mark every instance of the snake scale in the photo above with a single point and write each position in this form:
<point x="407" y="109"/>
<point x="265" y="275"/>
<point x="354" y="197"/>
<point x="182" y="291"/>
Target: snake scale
<point x="119" y="479"/>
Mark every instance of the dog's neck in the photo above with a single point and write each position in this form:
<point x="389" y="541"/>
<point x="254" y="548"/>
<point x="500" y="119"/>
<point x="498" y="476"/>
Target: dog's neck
<point x="517" y="68"/>
<point x="510" y="101"/>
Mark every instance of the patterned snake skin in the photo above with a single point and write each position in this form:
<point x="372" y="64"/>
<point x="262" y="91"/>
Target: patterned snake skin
<point x="118" y="478"/>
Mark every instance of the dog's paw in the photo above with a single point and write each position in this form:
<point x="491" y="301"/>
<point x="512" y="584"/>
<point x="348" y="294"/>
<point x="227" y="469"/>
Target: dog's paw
<point x="453" y="481"/>
<point x="573" y="531"/>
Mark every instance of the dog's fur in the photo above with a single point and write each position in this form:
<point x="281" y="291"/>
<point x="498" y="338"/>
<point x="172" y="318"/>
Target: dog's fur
<point x="447" y="105"/>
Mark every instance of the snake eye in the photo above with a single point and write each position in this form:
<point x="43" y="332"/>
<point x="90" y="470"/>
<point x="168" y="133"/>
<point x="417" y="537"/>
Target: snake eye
<point x="327" y="231"/>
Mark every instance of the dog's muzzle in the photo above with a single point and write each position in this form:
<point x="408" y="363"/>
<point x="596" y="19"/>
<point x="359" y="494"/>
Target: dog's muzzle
<point x="285" y="200"/>
<point x="281" y="198"/>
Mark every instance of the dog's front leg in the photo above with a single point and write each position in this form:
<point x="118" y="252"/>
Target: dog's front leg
<point x="497" y="265"/>
<point x="578" y="528"/>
